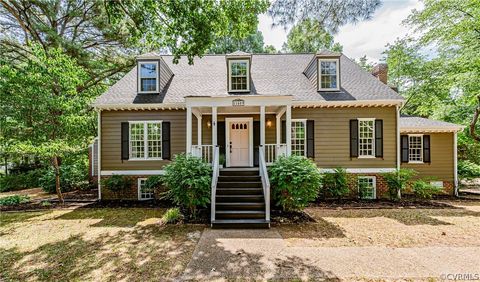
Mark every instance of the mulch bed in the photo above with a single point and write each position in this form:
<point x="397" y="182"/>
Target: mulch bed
<point x="284" y="217"/>
<point x="35" y="206"/>
<point x="379" y="204"/>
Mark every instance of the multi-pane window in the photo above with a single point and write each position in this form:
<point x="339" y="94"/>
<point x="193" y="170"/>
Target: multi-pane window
<point x="415" y="148"/>
<point x="299" y="141"/>
<point x="366" y="137"/>
<point x="144" y="193"/>
<point x="328" y="71"/>
<point x="145" y="140"/>
<point x="148" y="76"/>
<point x="366" y="187"/>
<point x="239" y="75"/>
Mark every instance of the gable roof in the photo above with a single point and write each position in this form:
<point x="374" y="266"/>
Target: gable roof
<point x="419" y="124"/>
<point x="271" y="75"/>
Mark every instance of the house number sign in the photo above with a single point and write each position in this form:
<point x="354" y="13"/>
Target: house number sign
<point x="238" y="103"/>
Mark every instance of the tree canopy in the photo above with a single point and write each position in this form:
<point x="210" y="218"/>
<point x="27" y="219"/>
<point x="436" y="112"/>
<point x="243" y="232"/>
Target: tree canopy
<point x="309" y="36"/>
<point x="330" y="14"/>
<point x="252" y="43"/>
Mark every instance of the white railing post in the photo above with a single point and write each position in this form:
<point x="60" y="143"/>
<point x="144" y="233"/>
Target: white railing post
<point x="265" y="182"/>
<point x="216" y="172"/>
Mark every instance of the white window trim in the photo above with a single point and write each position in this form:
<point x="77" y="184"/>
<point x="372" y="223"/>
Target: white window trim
<point x="139" y="192"/>
<point x="421" y="149"/>
<point x="145" y="140"/>
<point x="230" y="74"/>
<point x="372" y="156"/>
<point x="304" y="121"/>
<point x="319" y="75"/>
<point x="139" y="78"/>
<point x="374" y="186"/>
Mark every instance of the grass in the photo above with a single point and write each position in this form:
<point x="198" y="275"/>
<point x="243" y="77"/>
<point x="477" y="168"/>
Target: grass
<point x="12" y="217"/>
<point x="94" y="244"/>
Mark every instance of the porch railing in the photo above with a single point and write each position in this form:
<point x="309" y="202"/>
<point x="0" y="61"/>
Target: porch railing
<point x="205" y="152"/>
<point x="216" y="172"/>
<point x="273" y="151"/>
<point x="265" y="181"/>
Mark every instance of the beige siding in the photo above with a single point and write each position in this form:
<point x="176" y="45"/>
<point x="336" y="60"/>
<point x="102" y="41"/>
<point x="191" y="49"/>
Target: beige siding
<point x="441" y="166"/>
<point x="332" y="135"/>
<point x="111" y="137"/>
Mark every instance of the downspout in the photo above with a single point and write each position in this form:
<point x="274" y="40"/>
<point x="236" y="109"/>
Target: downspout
<point x="455" y="160"/>
<point x="99" y="153"/>
<point x="398" y="137"/>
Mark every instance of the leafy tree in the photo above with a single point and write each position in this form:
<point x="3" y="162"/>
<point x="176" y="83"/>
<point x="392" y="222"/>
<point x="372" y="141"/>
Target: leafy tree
<point x="309" y="36"/>
<point x="453" y="27"/>
<point x="47" y="115"/>
<point x="270" y="49"/>
<point x="329" y="14"/>
<point x="365" y="64"/>
<point x="253" y="43"/>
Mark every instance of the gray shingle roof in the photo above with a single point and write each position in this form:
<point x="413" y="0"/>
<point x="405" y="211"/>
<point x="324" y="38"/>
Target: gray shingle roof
<point x="272" y="74"/>
<point x="412" y="122"/>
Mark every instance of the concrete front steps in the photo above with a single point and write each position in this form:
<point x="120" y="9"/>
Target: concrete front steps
<point x="239" y="201"/>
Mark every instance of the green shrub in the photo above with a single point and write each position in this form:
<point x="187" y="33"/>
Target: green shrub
<point x="425" y="190"/>
<point x="72" y="177"/>
<point x="172" y="215"/>
<point x="397" y="182"/>
<point x="468" y="169"/>
<point x="188" y="180"/>
<point x="117" y="183"/>
<point x="14" y="200"/>
<point x="154" y="182"/>
<point x="335" y="184"/>
<point x="15" y="182"/>
<point x="295" y="182"/>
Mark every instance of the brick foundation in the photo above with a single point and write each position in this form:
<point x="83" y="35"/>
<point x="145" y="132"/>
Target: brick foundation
<point x="131" y="193"/>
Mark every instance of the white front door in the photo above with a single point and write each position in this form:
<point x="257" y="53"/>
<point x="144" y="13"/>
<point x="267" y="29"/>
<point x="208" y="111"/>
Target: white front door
<point x="239" y="142"/>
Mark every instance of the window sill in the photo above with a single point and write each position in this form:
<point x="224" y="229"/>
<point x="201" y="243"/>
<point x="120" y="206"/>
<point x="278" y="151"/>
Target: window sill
<point x="149" y="159"/>
<point x="148" y="92"/>
<point x="416" y="162"/>
<point x="239" y="91"/>
<point x="367" y="157"/>
<point x="145" y="199"/>
<point x="328" y="89"/>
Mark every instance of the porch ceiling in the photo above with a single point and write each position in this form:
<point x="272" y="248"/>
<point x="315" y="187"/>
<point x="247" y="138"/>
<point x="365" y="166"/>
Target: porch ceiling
<point x="239" y="110"/>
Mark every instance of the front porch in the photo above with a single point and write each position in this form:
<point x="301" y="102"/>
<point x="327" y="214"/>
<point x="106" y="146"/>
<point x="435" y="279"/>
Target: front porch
<point x="240" y="126"/>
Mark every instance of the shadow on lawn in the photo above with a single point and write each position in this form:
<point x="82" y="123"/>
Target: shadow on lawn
<point x="147" y="253"/>
<point x="321" y="229"/>
<point x="215" y="261"/>
<point x="118" y="217"/>
<point x="405" y="216"/>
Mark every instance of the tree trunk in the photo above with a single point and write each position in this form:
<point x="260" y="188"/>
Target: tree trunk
<point x="473" y="124"/>
<point x="57" y="179"/>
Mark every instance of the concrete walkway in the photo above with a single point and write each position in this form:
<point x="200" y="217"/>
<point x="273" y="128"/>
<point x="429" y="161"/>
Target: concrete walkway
<point x="263" y="254"/>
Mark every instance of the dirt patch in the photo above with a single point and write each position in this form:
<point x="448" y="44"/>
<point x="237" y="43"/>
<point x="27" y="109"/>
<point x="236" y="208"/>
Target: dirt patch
<point x="381" y="204"/>
<point x="289" y="217"/>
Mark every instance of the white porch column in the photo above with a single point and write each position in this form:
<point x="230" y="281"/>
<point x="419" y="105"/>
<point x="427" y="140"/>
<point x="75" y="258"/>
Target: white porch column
<point x="199" y="130"/>
<point x="189" y="130"/>
<point x="262" y="128"/>
<point x="214" y="126"/>
<point x="278" y="126"/>
<point x="289" y="129"/>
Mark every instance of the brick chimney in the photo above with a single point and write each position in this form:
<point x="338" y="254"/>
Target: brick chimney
<point x="380" y="71"/>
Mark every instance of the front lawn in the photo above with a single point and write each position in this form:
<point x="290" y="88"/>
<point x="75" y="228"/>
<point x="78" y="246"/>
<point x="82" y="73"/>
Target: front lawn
<point x="107" y="244"/>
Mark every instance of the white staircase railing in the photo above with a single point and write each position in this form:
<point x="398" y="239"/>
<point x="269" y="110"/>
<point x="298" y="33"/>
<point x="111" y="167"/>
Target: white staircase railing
<point x="265" y="181"/>
<point x="216" y="172"/>
<point x="273" y="151"/>
<point x="205" y="152"/>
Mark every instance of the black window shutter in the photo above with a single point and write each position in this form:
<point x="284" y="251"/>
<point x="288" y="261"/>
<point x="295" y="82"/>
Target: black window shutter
<point x="166" y="153"/>
<point x="353" y="138"/>
<point x="124" y="140"/>
<point x="256" y="142"/>
<point x="284" y="132"/>
<point x="310" y="139"/>
<point x="426" y="148"/>
<point x="379" y="138"/>
<point x="404" y="147"/>
<point x="221" y="136"/>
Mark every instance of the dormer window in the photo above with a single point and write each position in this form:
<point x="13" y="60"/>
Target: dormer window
<point x="328" y="74"/>
<point x="148" y="77"/>
<point x="238" y="75"/>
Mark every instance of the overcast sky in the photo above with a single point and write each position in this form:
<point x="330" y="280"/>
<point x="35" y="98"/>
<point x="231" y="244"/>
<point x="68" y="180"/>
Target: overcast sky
<point x="364" y="38"/>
